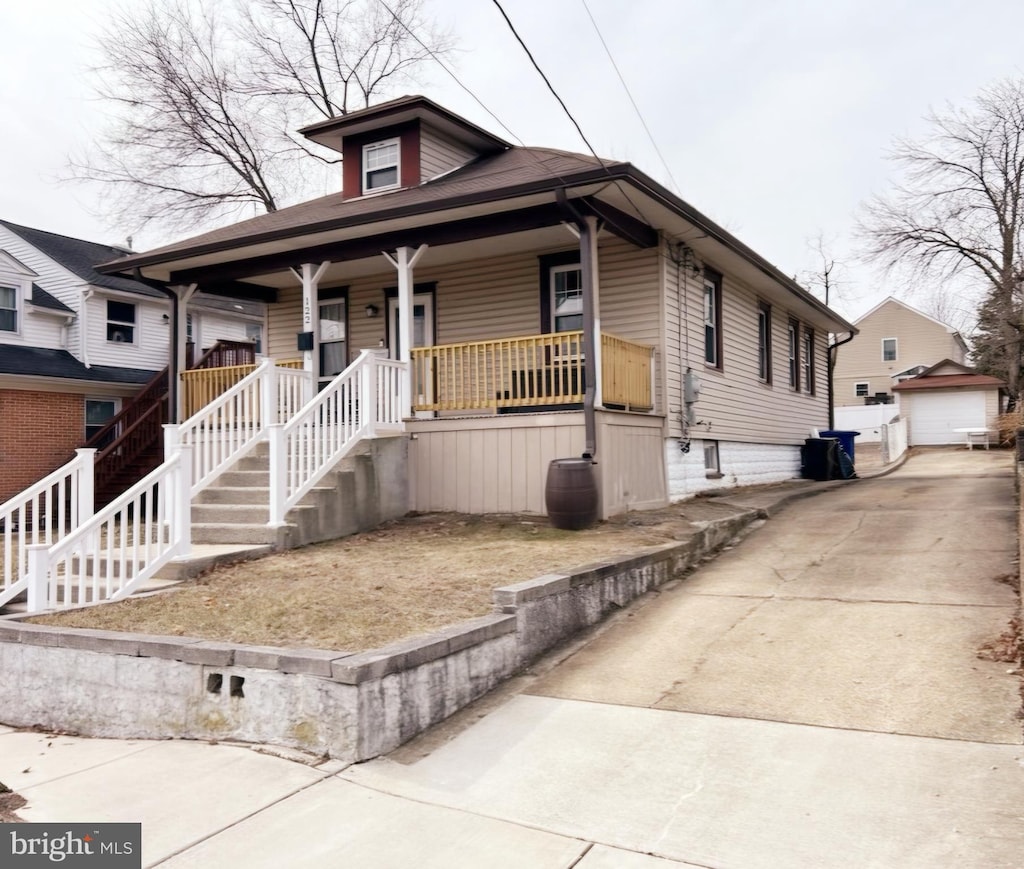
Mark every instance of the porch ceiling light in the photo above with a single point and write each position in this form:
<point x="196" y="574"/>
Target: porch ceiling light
<point x="371" y="311"/>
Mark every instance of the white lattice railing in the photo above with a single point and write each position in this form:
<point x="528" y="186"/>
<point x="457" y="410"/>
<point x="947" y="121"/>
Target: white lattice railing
<point x="41" y="515"/>
<point x="111" y="554"/>
<point x="365" y="399"/>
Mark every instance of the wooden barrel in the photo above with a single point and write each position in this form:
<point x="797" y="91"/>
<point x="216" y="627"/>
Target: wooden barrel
<point x="571" y="494"/>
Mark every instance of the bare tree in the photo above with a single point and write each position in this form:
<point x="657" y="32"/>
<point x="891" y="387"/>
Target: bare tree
<point x="205" y="96"/>
<point x="958" y="215"/>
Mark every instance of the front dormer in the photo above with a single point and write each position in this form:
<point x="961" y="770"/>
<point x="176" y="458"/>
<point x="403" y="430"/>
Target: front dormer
<point x="401" y="144"/>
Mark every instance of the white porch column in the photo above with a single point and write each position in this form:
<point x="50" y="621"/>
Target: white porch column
<point x="404" y="261"/>
<point x="310" y="281"/>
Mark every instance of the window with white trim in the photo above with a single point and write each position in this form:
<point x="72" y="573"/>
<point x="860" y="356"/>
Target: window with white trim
<point x="8" y="309"/>
<point x="381" y="164"/>
<point x="794" y="355"/>
<point x="807" y="360"/>
<point x="98" y="412"/>
<point x="862" y="390"/>
<point x="711" y="459"/>
<point x="888" y="349"/>
<point x="254" y="333"/>
<point x="566" y="298"/>
<point x="120" y="322"/>
<point x="712" y="319"/>
<point x="764" y="342"/>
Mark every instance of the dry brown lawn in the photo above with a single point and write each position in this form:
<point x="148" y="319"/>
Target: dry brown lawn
<point x="404" y="578"/>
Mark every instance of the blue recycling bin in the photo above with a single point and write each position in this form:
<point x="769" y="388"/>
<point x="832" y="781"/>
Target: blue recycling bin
<point x="845" y="439"/>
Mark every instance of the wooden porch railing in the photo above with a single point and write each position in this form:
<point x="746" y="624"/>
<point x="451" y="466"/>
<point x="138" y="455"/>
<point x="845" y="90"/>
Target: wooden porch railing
<point x="200" y="386"/>
<point x="530" y="371"/>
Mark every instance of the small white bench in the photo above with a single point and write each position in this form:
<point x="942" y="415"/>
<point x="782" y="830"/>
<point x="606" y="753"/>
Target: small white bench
<point x="977" y="436"/>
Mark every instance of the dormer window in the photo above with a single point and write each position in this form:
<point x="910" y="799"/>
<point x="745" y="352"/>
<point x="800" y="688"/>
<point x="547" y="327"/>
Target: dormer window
<point x="380" y="165"/>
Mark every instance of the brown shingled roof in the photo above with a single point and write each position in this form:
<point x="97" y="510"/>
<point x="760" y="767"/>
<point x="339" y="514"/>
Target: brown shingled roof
<point x="950" y="381"/>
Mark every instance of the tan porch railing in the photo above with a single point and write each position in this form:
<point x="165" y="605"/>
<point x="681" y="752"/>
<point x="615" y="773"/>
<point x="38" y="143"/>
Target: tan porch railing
<point x="200" y="386"/>
<point x="529" y="371"/>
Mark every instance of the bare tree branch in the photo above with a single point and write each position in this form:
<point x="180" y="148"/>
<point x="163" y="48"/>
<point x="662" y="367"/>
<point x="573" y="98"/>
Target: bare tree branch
<point x="959" y="211"/>
<point x="204" y="97"/>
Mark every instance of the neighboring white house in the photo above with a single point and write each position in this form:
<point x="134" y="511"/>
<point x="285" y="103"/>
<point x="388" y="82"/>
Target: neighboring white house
<point x="74" y="344"/>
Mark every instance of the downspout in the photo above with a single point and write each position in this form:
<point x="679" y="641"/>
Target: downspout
<point x="173" y="358"/>
<point x="590" y="336"/>
<point x="831" y="372"/>
<point x="83" y="327"/>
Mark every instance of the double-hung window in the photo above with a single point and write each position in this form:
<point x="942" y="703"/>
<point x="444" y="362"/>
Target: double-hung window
<point x="713" y="319"/>
<point x="862" y="389"/>
<point x="764" y="342"/>
<point x="888" y="349"/>
<point x="8" y="309"/>
<point x="120" y="322"/>
<point x="794" y="355"/>
<point x="381" y="165"/>
<point x="566" y="298"/>
<point x="807" y="359"/>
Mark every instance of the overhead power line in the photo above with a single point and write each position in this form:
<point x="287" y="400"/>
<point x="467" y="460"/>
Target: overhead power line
<point x="625" y="87"/>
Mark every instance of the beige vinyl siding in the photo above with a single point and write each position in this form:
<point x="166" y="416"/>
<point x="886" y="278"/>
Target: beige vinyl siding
<point x="440" y="153"/>
<point x="919" y="341"/>
<point x="734" y="404"/>
<point x="490" y="298"/>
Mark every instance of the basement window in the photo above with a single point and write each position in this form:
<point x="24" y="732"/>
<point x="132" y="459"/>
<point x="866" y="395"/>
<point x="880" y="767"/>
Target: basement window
<point x="712" y="467"/>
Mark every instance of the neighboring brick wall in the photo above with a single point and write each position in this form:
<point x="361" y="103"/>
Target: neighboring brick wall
<point x="39" y="432"/>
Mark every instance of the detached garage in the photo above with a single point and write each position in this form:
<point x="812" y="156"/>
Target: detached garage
<point x="944" y="400"/>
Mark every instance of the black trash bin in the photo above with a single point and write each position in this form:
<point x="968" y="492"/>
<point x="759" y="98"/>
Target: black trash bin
<point x="845" y="440"/>
<point x="820" y="458"/>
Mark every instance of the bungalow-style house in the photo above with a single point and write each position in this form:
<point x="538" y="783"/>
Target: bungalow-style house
<point x="77" y="345"/>
<point x="482" y="267"/>
<point x="894" y="343"/>
<point x="950" y="403"/>
<point x="464" y="312"/>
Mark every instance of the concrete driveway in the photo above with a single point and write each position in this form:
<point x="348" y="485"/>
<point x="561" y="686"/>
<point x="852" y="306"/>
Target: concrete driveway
<point x="811" y="698"/>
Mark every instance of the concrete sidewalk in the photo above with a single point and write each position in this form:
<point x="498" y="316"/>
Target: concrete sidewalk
<point x="811" y="698"/>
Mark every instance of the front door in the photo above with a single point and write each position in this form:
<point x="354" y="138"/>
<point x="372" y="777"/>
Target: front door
<point x="422" y="323"/>
<point x="421" y="371"/>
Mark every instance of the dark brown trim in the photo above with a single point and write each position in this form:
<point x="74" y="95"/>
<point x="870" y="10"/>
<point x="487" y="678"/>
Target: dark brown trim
<point x="764" y="342"/>
<point x="793" y="353"/>
<point x="408" y="136"/>
<point x="437" y="234"/>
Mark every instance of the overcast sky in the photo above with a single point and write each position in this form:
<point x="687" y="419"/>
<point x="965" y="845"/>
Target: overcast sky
<point x="773" y="117"/>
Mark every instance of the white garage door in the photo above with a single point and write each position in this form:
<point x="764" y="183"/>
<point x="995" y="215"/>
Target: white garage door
<point x="935" y="416"/>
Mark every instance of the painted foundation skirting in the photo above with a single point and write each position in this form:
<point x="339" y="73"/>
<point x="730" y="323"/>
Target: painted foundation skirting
<point x="740" y="464"/>
<point x="351" y="706"/>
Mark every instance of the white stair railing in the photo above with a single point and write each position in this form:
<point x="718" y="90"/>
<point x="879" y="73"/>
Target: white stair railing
<point x="41" y="515"/>
<point x="120" y="547"/>
<point x="230" y="425"/>
<point x="362" y="401"/>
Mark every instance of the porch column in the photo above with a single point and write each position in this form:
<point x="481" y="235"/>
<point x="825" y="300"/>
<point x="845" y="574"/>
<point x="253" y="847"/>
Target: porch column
<point x="179" y="337"/>
<point x="591" y="330"/>
<point x="310" y="281"/>
<point x="404" y="261"/>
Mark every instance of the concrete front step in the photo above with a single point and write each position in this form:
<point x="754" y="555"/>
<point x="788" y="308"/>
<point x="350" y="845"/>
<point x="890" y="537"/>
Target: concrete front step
<point x="247" y="479"/>
<point x="252" y="534"/>
<point x="240" y="514"/>
<point x="234" y="495"/>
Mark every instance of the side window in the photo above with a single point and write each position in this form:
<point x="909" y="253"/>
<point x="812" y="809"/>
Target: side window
<point x="764" y="342"/>
<point x="807" y="360"/>
<point x="713" y="319"/>
<point x="566" y="298"/>
<point x="98" y="412"/>
<point x="381" y="165"/>
<point x="120" y="322"/>
<point x="794" y="355"/>
<point x="888" y="349"/>
<point x="862" y="390"/>
<point x="8" y="309"/>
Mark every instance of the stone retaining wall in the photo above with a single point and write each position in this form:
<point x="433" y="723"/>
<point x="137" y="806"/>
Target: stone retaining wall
<point x="351" y="706"/>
